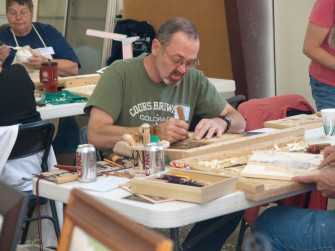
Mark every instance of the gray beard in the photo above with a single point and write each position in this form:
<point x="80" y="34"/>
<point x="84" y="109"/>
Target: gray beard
<point x="168" y="82"/>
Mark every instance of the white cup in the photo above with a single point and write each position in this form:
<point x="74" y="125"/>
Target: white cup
<point x="328" y="121"/>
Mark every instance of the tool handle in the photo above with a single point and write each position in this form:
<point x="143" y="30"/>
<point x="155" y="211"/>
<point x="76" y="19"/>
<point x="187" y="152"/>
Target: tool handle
<point x="69" y="168"/>
<point x="180" y="111"/>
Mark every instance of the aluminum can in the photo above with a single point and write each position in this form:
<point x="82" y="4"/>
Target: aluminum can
<point x="154" y="158"/>
<point x="86" y="163"/>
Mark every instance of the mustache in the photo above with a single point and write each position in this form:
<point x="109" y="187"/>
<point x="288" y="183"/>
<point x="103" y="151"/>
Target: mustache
<point x="176" y="72"/>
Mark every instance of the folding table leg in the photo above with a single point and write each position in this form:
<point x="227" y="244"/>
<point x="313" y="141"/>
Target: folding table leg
<point x="174" y="235"/>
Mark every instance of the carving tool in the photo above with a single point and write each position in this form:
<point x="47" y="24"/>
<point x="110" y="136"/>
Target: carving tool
<point x="180" y="111"/>
<point x="181" y="115"/>
<point x="112" y="162"/>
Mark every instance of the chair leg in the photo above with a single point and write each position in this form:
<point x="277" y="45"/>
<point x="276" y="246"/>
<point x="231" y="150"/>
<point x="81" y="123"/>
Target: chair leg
<point x="243" y="228"/>
<point x="26" y="226"/>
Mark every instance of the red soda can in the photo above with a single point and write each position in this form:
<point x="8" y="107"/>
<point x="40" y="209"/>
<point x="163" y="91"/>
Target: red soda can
<point x="154" y="158"/>
<point x="86" y="163"/>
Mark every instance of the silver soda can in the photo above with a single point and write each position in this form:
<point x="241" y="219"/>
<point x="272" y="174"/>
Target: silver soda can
<point x="154" y="158"/>
<point x="86" y="163"/>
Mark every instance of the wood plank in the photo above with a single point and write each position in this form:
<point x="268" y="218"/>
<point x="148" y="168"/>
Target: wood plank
<point x="239" y="142"/>
<point x="307" y="121"/>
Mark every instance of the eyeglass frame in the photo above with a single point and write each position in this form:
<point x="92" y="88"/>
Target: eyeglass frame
<point x="188" y="64"/>
<point x="17" y="13"/>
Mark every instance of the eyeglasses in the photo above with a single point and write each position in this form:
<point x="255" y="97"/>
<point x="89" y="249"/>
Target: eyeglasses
<point x="190" y="64"/>
<point x="23" y="13"/>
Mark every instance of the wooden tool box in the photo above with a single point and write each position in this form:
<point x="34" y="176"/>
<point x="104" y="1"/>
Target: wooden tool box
<point x="214" y="187"/>
<point x="234" y="157"/>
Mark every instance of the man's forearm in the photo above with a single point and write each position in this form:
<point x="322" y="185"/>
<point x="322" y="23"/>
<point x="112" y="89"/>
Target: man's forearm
<point x="106" y="137"/>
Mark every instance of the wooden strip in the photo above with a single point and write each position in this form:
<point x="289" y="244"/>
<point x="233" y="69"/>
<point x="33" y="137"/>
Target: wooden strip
<point x="65" y="179"/>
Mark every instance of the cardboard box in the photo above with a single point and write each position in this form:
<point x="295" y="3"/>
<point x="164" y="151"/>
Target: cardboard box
<point x="217" y="186"/>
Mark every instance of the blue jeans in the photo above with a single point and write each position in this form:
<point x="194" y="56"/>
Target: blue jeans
<point x="292" y="228"/>
<point x="67" y="138"/>
<point x="324" y="95"/>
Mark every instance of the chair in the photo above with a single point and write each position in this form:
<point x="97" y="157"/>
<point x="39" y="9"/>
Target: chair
<point x="234" y="101"/>
<point x="104" y="227"/>
<point x="255" y="113"/>
<point x="13" y="213"/>
<point x="32" y="138"/>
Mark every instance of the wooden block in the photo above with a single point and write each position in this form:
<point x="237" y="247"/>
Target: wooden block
<point x="245" y="184"/>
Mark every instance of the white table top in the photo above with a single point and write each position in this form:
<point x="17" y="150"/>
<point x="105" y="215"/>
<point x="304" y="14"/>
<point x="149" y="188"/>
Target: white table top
<point x="161" y="215"/>
<point x="170" y="214"/>
<point x="59" y="111"/>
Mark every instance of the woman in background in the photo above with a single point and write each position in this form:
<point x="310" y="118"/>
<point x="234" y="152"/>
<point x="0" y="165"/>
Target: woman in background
<point x="319" y="46"/>
<point x="45" y="43"/>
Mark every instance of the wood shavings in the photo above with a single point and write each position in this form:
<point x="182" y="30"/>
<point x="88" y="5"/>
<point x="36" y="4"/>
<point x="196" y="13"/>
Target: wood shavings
<point x="296" y="146"/>
<point x="225" y="163"/>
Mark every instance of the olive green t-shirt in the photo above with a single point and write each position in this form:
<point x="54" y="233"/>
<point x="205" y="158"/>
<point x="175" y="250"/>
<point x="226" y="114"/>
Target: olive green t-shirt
<point x="126" y="92"/>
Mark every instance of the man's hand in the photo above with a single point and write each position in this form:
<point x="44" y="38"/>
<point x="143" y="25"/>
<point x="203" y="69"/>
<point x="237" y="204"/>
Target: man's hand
<point x="325" y="181"/>
<point x="209" y="127"/>
<point x="173" y="130"/>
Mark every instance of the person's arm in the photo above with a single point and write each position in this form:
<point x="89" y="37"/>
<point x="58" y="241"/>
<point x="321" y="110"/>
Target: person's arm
<point x="65" y="67"/>
<point x="315" y="35"/>
<point x="328" y="157"/>
<point x="325" y="181"/>
<point x="217" y="126"/>
<point x="102" y="132"/>
<point x="4" y="53"/>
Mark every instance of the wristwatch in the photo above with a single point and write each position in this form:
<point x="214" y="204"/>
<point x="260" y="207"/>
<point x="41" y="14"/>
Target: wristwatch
<point x="228" y="121"/>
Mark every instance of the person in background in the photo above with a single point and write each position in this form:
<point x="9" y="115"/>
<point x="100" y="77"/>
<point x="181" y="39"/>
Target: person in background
<point x="44" y="43"/>
<point x="319" y="46"/>
<point x="18" y="106"/>
<point x="17" y="100"/>
<point x="292" y="228"/>
<point x="147" y="89"/>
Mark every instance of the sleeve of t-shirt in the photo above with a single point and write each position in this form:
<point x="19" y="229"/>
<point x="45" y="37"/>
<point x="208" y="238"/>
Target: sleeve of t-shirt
<point x="108" y="94"/>
<point x="209" y="104"/>
<point x="323" y="13"/>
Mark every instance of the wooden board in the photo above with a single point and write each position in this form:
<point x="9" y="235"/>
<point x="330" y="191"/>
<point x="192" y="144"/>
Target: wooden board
<point x="281" y="165"/>
<point x="232" y="141"/>
<point x="303" y="120"/>
<point x="255" y="188"/>
<point x="260" y="189"/>
<point x="71" y="81"/>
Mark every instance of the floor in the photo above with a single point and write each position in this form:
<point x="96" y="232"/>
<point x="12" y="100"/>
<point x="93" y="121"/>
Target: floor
<point x="230" y="244"/>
